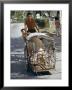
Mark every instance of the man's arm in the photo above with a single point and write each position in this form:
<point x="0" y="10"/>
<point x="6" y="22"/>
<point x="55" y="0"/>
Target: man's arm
<point x="25" y="25"/>
<point x="36" y="26"/>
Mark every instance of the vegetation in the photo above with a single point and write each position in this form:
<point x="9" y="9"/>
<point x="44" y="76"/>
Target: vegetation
<point x="19" y="16"/>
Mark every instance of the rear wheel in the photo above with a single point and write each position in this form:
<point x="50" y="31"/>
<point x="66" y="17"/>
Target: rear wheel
<point x="28" y="68"/>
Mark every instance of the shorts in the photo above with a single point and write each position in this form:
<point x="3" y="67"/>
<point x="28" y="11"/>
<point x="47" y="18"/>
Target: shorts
<point x="31" y="30"/>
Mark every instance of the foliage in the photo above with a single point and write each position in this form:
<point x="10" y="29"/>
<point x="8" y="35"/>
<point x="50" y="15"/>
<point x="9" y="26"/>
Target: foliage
<point x="19" y="16"/>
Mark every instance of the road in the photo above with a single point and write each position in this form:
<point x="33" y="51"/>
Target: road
<point x="18" y="64"/>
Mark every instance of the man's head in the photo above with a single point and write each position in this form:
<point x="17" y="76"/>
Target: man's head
<point x="29" y="15"/>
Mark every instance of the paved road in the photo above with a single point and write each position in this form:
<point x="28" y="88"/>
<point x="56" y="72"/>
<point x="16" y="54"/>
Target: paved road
<point x="18" y="65"/>
<point x="18" y="70"/>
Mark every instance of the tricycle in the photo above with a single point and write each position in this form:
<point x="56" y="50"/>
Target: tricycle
<point x="39" y="51"/>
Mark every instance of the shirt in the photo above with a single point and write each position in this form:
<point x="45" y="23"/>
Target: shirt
<point x="57" y="23"/>
<point x="30" y="24"/>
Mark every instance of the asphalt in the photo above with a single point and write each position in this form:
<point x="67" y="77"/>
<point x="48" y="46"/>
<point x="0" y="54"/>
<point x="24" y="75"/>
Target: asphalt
<point x="19" y="67"/>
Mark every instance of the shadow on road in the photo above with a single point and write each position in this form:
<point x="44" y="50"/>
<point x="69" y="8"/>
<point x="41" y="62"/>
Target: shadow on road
<point x="39" y="73"/>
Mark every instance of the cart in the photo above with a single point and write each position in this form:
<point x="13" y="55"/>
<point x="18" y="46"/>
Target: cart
<point x="39" y="51"/>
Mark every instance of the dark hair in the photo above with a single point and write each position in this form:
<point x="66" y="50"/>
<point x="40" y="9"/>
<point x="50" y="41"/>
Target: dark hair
<point x="56" y="18"/>
<point x="29" y="14"/>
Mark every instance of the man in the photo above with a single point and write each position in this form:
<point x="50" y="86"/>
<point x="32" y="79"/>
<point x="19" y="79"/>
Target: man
<point x="31" y="27"/>
<point x="58" y="27"/>
<point x="30" y="24"/>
